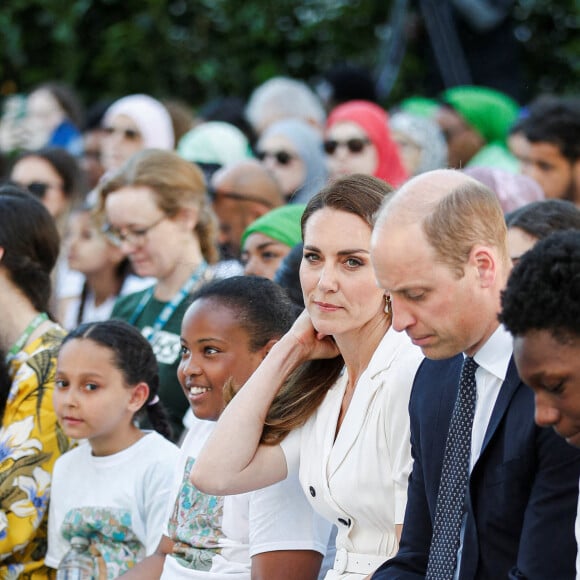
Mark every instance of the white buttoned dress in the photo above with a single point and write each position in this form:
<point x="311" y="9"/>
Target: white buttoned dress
<point x="359" y="480"/>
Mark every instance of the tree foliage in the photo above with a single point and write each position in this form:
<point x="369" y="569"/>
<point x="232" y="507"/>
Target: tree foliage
<point x="198" y="49"/>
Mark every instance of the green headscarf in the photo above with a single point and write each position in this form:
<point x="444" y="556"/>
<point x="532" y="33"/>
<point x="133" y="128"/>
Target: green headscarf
<point x="281" y="224"/>
<point x="488" y="111"/>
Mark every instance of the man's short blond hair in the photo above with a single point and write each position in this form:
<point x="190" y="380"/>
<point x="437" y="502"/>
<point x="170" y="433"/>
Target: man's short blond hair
<point x="456" y="213"/>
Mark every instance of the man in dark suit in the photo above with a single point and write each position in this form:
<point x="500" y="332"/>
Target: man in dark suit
<point x="440" y="252"/>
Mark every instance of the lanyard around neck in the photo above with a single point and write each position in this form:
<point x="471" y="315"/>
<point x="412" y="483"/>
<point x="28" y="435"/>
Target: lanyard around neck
<point x="168" y="310"/>
<point x="36" y="322"/>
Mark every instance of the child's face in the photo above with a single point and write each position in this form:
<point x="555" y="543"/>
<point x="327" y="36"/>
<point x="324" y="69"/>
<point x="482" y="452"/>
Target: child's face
<point x="91" y="398"/>
<point x="214" y="348"/>
<point x="88" y="251"/>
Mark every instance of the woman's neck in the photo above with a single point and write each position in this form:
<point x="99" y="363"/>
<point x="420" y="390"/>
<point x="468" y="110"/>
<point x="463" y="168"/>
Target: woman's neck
<point x="358" y="347"/>
<point x="16" y="313"/>
<point x="103" y="285"/>
<point x="168" y="286"/>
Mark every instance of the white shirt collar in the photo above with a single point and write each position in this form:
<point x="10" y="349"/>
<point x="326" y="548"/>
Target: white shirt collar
<point x="495" y="355"/>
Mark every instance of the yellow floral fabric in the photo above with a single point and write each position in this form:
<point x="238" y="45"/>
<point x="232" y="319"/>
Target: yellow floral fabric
<point x="30" y="443"/>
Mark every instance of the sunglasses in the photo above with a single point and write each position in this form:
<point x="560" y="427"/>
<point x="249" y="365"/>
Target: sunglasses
<point x="354" y="145"/>
<point x="129" y="134"/>
<point x="281" y="157"/>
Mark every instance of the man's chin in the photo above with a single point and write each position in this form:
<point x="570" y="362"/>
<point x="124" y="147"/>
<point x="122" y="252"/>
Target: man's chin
<point x="437" y="351"/>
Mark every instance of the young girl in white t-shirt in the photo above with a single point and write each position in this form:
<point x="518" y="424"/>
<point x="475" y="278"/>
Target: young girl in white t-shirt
<point x="114" y="488"/>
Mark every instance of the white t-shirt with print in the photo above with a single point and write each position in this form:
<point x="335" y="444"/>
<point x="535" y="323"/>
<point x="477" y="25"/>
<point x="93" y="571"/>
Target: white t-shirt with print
<point x="118" y="501"/>
<point x="215" y="537"/>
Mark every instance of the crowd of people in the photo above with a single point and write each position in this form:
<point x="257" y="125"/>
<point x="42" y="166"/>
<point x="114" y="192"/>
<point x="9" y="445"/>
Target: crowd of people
<point x="291" y="338"/>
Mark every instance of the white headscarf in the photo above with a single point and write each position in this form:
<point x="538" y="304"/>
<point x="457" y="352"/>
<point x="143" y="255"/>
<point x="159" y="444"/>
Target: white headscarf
<point x="150" y="116"/>
<point x="214" y="142"/>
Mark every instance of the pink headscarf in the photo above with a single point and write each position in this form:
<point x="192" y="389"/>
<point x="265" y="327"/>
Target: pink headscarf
<point x="512" y="189"/>
<point x="374" y="121"/>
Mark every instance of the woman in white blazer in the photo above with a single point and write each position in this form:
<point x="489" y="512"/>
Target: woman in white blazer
<point x="330" y="399"/>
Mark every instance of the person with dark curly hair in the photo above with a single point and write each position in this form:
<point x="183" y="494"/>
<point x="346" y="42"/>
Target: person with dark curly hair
<point x="541" y="308"/>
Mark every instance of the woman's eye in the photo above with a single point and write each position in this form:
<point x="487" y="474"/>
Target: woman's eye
<point x="415" y="295"/>
<point x="209" y="350"/>
<point x="353" y="262"/>
<point x="311" y="257"/>
<point x="91" y="386"/>
<point x="60" y="383"/>
<point x="184" y="351"/>
<point x="267" y="256"/>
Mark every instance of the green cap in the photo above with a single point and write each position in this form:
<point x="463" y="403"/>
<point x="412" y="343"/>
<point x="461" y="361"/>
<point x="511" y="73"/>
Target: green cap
<point x="281" y="224"/>
<point x="488" y="111"/>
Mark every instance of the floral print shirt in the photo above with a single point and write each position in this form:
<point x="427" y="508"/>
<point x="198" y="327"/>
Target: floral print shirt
<point x="30" y="442"/>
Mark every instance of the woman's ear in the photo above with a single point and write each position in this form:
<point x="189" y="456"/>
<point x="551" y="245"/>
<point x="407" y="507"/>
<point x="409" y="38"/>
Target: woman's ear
<point x="139" y="396"/>
<point x="189" y="216"/>
<point x="1" y="253"/>
<point x="266" y="348"/>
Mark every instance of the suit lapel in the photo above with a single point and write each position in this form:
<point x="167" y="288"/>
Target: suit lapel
<point x="508" y="388"/>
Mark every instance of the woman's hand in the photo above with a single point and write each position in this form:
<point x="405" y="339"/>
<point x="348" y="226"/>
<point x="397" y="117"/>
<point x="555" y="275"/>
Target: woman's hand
<point x="315" y="345"/>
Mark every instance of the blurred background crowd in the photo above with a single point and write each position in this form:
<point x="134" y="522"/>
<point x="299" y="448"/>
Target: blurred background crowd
<point x="177" y="142"/>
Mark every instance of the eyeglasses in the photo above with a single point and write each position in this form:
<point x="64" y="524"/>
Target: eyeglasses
<point x="213" y="194"/>
<point x="134" y="236"/>
<point x="354" y="145"/>
<point x="281" y="157"/>
<point x="129" y="134"/>
<point x="39" y="188"/>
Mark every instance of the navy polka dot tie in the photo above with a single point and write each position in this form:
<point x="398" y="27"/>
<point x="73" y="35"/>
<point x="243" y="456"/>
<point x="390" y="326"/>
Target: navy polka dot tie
<point x="454" y="479"/>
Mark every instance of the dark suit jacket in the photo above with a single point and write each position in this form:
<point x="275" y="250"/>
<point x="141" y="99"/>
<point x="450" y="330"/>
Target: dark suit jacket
<point x="523" y="490"/>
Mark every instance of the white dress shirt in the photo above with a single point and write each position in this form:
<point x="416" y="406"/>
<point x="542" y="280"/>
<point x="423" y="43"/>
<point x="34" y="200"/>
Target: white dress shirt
<point x="493" y="359"/>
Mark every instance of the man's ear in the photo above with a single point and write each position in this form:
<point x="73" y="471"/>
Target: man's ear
<point x="486" y="261"/>
<point x="1" y="253"/>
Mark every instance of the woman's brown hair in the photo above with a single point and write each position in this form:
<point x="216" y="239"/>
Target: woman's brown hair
<point x="305" y="388"/>
<point x="176" y="183"/>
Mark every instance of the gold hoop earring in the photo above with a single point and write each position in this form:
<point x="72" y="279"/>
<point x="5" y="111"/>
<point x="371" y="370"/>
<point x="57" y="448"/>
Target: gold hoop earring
<point x="388" y="309"/>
